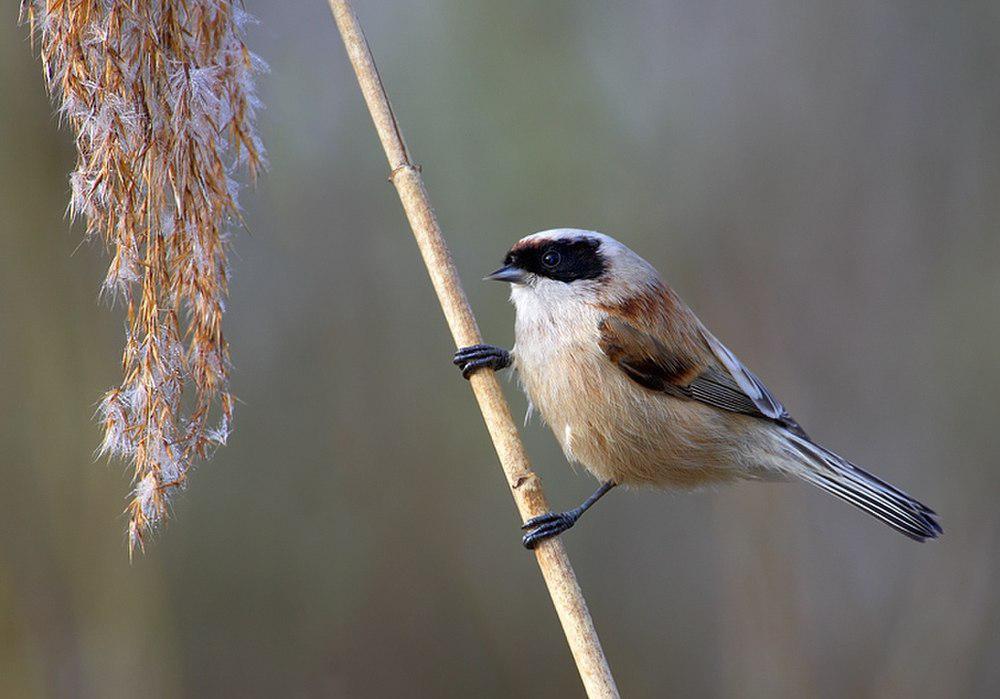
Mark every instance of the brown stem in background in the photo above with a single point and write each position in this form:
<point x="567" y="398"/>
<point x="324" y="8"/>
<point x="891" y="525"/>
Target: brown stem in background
<point x="524" y="484"/>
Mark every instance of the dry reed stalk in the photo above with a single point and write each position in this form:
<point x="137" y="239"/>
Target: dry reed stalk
<point x="160" y="97"/>
<point x="524" y="484"/>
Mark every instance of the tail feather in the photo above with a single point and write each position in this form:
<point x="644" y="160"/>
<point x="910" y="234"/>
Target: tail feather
<point x="883" y="501"/>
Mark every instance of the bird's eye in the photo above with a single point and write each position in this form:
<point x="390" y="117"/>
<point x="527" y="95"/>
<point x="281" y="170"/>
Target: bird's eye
<point x="551" y="259"/>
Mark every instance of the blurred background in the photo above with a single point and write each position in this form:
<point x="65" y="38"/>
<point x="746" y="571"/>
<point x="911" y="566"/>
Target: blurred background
<point x="819" y="180"/>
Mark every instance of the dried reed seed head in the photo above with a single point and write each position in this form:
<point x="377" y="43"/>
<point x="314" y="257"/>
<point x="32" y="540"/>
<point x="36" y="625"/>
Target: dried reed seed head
<point x="160" y="97"/>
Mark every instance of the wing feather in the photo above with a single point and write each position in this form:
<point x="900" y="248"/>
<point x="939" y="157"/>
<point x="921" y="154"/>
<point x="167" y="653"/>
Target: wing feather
<point x="717" y="377"/>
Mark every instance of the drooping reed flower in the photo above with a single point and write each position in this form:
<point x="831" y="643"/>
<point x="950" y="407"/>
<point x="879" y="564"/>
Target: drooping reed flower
<point x="160" y="97"/>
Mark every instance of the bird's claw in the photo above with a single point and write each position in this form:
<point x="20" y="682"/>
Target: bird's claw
<point x="545" y="526"/>
<point x="474" y="357"/>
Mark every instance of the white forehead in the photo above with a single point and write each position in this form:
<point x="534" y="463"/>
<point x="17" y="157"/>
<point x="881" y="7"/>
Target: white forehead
<point x="607" y="242"/>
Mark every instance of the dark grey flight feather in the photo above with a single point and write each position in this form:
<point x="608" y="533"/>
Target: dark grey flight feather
<point x="735" y="388"/>
<point x="869" y="493"/>
<point x="765" y="403"/>
<point x="731" y="387"/>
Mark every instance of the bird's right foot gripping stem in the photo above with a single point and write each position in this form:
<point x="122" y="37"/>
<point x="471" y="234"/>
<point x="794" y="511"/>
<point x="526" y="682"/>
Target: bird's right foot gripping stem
<point x="474" y="357"/>
<point x="555" y="523"/>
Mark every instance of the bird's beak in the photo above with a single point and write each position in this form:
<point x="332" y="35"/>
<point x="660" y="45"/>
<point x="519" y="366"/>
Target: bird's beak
<point x="508" y="273"/>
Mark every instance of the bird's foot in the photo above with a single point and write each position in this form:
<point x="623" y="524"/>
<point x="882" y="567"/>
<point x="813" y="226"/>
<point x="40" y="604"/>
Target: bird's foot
<point x="547" y="525"/>
<point x="474" y="357"/>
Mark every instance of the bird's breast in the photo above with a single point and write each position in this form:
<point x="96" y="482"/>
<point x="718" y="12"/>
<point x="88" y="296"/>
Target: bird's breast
<point x="615" y="428"/>
<point x="570" y="383"/>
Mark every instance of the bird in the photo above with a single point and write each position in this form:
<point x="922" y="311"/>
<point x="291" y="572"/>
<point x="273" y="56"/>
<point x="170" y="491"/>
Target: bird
<point x="639" y="392"/>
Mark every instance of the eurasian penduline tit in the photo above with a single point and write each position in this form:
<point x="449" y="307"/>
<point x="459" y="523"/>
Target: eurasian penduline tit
<point x="639" y="392"/>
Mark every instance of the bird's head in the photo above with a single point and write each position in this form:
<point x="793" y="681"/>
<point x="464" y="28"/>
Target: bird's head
<point x="567" y="265"/>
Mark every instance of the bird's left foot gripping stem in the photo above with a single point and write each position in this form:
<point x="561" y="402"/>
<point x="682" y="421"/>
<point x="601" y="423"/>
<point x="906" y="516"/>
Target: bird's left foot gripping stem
<point x="474" y="357"/>
<point x="555" y="523"/>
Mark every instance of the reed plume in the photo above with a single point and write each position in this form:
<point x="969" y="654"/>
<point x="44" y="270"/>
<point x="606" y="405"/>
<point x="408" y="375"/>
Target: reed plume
<point x="159" y="95"/>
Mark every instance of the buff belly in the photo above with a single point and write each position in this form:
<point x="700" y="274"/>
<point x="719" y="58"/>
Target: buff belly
<point x="621" y="431"/>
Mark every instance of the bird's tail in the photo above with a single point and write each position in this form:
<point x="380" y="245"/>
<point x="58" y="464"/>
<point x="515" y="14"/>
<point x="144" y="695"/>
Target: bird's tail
<point x="863" y="490"/>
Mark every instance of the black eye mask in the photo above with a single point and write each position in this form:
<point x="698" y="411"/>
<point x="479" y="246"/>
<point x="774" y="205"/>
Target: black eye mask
<point x="562" y="260"/>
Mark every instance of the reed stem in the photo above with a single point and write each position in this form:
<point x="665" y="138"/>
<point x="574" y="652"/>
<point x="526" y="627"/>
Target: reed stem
<point x="525" y="486"/>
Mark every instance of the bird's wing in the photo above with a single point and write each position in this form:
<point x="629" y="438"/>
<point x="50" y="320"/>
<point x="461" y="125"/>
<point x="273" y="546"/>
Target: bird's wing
<point x="697" y="367"/>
